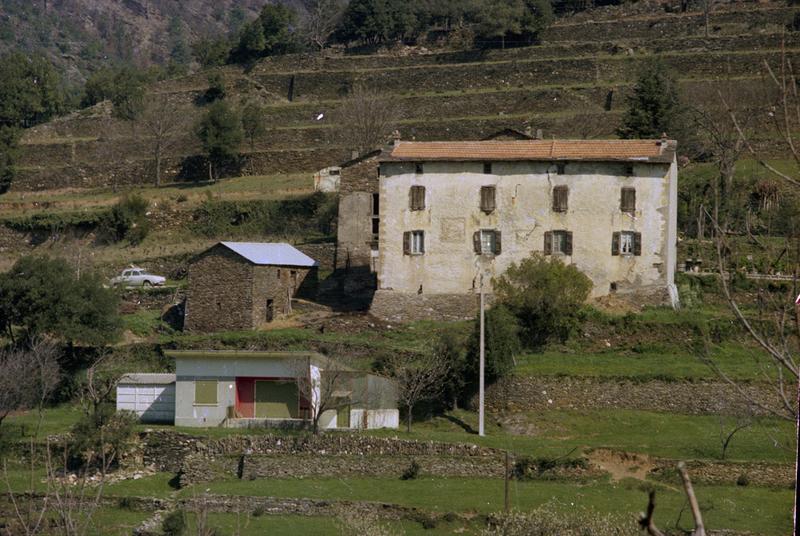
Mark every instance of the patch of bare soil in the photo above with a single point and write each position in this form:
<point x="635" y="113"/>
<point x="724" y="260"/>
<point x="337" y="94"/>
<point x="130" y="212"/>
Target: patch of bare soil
<point x="348" y="323"/>
<point x="519" y="424"/>
<point x="620" y="464"/>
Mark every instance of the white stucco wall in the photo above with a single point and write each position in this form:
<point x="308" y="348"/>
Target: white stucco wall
<point x="224" y="370"/>
<point x="524" y="212"/>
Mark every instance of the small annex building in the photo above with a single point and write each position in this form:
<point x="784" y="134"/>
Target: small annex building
<point x="243" y="285"/>
<point x="251" y="388"/>
<point x="150" y="395"/>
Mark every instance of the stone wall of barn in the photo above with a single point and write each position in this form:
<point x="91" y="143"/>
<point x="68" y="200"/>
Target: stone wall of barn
<point x="220" y="295"/>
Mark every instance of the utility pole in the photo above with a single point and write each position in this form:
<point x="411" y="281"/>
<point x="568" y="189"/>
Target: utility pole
<point x="482" y="366"/>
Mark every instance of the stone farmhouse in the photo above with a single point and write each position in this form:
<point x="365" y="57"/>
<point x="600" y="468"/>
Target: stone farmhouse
<point x="242" y="285"/>
<point x="254" y="389"/>
<point x="453" y="211"/>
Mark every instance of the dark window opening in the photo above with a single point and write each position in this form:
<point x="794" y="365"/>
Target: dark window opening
<point x="560" y="198"/>
<point x="629" y="169"/>
<point x="628" y="200"/>
<point x="561" y="168"/>
<point x="418" y="168"/>
<point x="488" y="195"/>
<point x="487" y="168"/>
<point x="416" y="198"/>
<point x="270" y="312"/>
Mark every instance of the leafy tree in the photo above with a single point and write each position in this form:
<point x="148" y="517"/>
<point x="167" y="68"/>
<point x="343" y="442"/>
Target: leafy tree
<point x="271" y="34"/>
<point x="537" y="17"/>
<point x="545" y="295"/>
<point x="253" y="122"/>
<point x="179" y="54"/>
<point x="127" y="220"/>
<point x="44" y="296"/>
<point x="377" y="21"/>
<point x="220" y="132"/>
<point x="128" y="96"/>
<point x="497" y="19"/>
<point x="8" y="150"/>
<point x="501" y="345"/>
<point x="216" y="88"/>
<point x="30" y="90"/>
<point x="211" y="52"/>
<point x="654" y="106"/>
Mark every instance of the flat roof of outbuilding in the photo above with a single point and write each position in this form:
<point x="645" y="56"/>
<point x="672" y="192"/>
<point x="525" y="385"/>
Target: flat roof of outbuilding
<point x="147" y="378"/>
<point x="277" y="253"/>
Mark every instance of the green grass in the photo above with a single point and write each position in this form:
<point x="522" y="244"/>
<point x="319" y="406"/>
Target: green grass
<point x="142" y="323"/>
<point x="675" y="364"/>
<point x="763" y="511"/>
<point x="24" y="426"/>
<point x="556" y="432"/>
<point x="157" y="485"/>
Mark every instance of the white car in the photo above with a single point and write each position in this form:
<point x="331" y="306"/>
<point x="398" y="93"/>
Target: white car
<point x="138" y="277"/>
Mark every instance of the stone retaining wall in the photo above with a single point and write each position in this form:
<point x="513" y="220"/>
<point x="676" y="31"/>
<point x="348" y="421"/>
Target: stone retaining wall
<point x="166" y="450"/>
<point x="728" y="473"/>
<point x="394" y="306"/>
<point x="523" y="393"/>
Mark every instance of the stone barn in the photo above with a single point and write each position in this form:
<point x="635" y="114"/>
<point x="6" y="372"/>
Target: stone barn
<point x="243" y="285"/>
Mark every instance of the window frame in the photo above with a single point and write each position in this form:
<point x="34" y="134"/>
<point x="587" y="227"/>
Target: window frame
<point x="416" y="197"/>
<point x="627" y="208"/>
<point x="561" y="168"/>
<point x="566" y="242"/>
<point x="487" y="168"/>
<point x="557" y="194"/>
<point x="485" y="207"/>
<point x="627" y="240"/>
<point x="215" y="391"/>
<point x="417" y="243"/>
<point x="419" y="168"/>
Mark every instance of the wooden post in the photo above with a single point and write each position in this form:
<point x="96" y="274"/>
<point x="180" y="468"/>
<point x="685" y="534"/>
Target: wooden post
<point x="505" y="490"/>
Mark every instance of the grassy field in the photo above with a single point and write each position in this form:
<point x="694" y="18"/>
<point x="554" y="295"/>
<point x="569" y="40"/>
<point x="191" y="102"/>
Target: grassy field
<point x="764" y="511"/>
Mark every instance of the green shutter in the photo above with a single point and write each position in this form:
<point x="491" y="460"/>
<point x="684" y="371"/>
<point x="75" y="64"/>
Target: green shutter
<point x="205" y="391"/>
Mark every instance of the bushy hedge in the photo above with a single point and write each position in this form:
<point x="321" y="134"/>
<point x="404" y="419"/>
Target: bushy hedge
<point x="313" y="215"/>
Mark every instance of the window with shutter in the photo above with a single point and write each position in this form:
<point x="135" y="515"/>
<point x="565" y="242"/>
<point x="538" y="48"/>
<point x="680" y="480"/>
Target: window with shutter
<point x="476" y="242"/>
<point x="407" y="243"/>
<point x="417" y="242"/>
<point x="417" y="198"/>
<point x="628" y="200"/>
<point x="497" y="243"/>
<point x="205" y="392"/>
<point x="560" y="196"/>
<point x="488" y="199"/>
<point x="488" y="241"/>
<point x="637" y="244"/>
<point x="626" y="243"/>
<point x="615" y="243"/>
<point x="548" y="243"/>
<point x="568" y="243"/>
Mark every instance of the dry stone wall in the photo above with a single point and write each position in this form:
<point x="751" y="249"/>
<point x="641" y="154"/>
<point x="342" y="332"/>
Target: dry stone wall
<point x="763" y="474"/>
<point x="393" y="306"/>
<point x="525" y="393"/>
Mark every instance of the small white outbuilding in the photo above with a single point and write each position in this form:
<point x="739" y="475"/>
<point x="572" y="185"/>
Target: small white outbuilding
<point x="149" y="395"/>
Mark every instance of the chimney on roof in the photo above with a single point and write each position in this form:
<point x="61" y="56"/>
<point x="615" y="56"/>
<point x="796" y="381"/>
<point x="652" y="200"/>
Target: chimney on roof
<point x="396" y="138"/>
<point x="528" y="131"/>
<point x="539" y="134"/>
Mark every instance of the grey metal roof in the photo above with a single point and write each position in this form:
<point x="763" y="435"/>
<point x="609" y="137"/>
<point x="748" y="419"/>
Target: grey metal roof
<point x="271" y="253"/>
<point x="147" y="378"/>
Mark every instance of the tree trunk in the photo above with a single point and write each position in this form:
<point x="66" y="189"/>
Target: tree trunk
<point x="408" y="418"/>
<point x="210" y="172"/>
<point x="158" y="166"/>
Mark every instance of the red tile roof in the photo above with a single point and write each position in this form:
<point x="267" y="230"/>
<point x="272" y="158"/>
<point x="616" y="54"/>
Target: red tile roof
<point x="547" y="150"/>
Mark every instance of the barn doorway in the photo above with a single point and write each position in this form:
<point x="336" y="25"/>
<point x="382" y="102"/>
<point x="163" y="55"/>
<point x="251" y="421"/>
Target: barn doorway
<point x="276" y="400"/>
<point x="270" y="310"/>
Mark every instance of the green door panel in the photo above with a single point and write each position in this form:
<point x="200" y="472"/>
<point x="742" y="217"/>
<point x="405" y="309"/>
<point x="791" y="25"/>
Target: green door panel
<point x="343" y="417"/>
<point x="276" y="400"/>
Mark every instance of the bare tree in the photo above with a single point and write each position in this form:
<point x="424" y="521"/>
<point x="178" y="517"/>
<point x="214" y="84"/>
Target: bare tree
<point x="647" y="522"/>
<point x="418" y="378"/>
<point x="727" y="429"/>
<point x="321" y="19"/>
<point x="776" y="331"/>
<point x="162" y="119"/>
<point x="367" y="118"/>
<point x="28" y="377"/>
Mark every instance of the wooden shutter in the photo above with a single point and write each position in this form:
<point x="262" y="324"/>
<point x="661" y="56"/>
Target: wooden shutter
<point x="487" y="198"/>
<point x="497" y="244"/>
<point x="568" y="243"/>
<point x="615" y="244"/>
<point x="476" y="242"/>
<point x="637" y="243"/>
<point x="422" y="241"/>
<point x="560" y="197"/>
<point x="417" y="198"/>
<point x="628" y="200"/>
<point x="205" y="392"/>
<point x="548" y="243"/>
<point x="407" y="243"/>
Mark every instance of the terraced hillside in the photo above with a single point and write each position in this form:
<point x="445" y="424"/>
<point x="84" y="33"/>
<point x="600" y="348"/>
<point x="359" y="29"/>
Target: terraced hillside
<point x="573" y="85"/>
